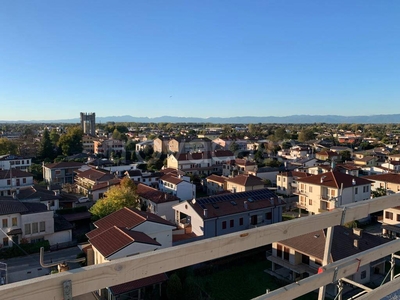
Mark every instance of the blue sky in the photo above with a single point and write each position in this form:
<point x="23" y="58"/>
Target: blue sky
<point x="198" y="58"/>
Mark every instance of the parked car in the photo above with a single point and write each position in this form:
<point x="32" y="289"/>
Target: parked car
<point x="83" y="199"/>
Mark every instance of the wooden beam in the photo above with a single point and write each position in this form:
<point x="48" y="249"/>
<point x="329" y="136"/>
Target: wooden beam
<point x="92" y="278"/>
<point x="383" y="291"/>
<point x="333" y="272"/>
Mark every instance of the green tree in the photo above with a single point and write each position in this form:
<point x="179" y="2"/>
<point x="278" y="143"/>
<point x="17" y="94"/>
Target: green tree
<point x="46" y="147"/>
<point x="54" y="137"/>
<point x="117" y="197"/>
<point x="280" y="134"/>
<point x="234" y="147"/>
<point x="345" y="155"/>
<point x="71" y="142"/>
<point x="7" y="146"/>
<point x="306" y="135"/>
<point x="174" y="288"/>
<point x="379" y="192"/>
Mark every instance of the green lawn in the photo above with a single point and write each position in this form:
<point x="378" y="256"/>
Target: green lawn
<point x="239" y="279"/>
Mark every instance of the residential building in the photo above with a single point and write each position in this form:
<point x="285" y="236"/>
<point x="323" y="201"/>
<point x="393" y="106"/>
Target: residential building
<point x="109" y="147"/>
<point x="391" y="165"/>
<point x="391" y="222"/>
<point x="244" y="183"/>
<point x="238" y="166"/>
<point x="390" y="182"/>
<point x="88" y="143"/>
<point x="226" y="213"/>
<point x="87" y="179"/>
<point x="14" y="179"/>
<point x="366" y="161"/>
<point x="216" y="184"/>
<point x="286" y="182"/>
<point x="200" y="162"/>
<point x="29" y="222"/>
<point x="60" y="172"/>
<point x="323" y="192"/>
<point x="302" y="256"/>
<point x="129" y="232"/>
<point x="142" y="145"/>
<point x="157" y="202"/>
<point x="328" y="155"/>
<point x="160" y="145"/>
<point x="177" y="186"/>
<point x="9" y="161"/>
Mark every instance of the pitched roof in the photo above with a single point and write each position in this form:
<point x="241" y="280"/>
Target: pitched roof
<point x="126" y="218"/>
<point x="154" y="195"/>
<point x="389" y="177"/>
<point x="11" y="206"/>
<point x="134" y="172"/>
<point x="15" y="173"/>
<point x="171" y="179"/>
<point x="335" y="179"/>
<point x="36" y="191"/>
<point x="246" y="180"/>
<point x="116" y="238"/>
<point x="313" y="243"/>
<point x="106" y="184"/>
<point x="216" y="178"/>
<point x="64" y="165"/>
<point x="95" y="175"/>
<point x="244" y="162"/>
<point x="227" y="204"/>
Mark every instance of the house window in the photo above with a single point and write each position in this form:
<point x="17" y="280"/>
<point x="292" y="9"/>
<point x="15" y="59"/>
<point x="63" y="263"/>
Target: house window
<point x="224" y="225"/>
<point x="8" y="181"/>
<point x="5" y="223"/>
<point x="309" y="201"/>
<point x="356" y="191"/>
<point x="364" y="274"/>
<point x="27" y="228"/>
<point x="35" y="228"/>
<point x="241" y="221"/>
<point x="333" y="193"/>
<point x="14" y="221"/>
<point x="232" y="223"/>
<point x="42" y="226"/>
<point x="268" y="215"/>
<point x="398" y="218"/>
<point x="5" y="242"/>
<point x="24" y="180"/>
<point x="310" y="189"/>
<point x="389" y="215"/>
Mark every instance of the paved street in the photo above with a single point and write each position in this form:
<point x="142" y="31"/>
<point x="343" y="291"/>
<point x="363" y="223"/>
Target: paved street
<point x="27" y="267"/>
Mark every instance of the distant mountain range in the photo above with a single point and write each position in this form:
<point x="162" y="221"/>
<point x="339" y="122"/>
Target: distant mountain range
<point x="295" y="119"/>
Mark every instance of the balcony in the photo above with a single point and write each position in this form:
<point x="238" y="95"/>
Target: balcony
<point x="301" y="205"/>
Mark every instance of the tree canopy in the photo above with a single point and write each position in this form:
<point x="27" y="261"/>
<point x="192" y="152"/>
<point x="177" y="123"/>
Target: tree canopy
<point x="117" y="197"/>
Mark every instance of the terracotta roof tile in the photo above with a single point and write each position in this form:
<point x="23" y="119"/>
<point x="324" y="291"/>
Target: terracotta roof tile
<point x="246" y="180"/>
<point x="15" y="173"/>
<point x="64" y="165"/>
<point x="335" y="179"/>
<point x="153" y="194"/>
<point x="116" y="238"/>
<point x="390" y="177"/>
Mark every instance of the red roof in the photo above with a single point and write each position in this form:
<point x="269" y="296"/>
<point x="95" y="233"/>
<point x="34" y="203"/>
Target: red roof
<point x="246" y="180"/>
<point x="390" y="177"/>
<point x="217" y="178"/>
<point x="154" y="195"/>
<point x="335" y="179"/>
<point x="64" y="165"/>
<point x="126" y="218"/>
<point x="116" y="238"/>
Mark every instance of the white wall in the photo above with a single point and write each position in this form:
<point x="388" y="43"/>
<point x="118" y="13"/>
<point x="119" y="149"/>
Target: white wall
<point x="60" y="237"/>
<point x="132" y="249"/>
<point x="161" y="233"/>
<point x="37" y="218"/>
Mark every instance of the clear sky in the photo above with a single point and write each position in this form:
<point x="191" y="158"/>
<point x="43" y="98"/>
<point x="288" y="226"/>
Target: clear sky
<point x="198" y="58"/>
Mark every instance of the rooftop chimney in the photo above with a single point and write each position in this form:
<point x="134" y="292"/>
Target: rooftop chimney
<point x="355" y="244"/>
<point x="353" y="181"/>
<point x="357" y="232"/>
